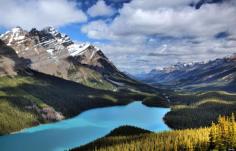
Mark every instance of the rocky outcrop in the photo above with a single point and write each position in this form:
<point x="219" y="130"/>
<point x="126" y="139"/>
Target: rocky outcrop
<point x="47" y="113"/>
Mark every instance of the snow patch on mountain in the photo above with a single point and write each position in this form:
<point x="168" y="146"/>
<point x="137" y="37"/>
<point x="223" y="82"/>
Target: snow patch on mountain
<point x="59" y="37"/>
<point x="16" y="34"/>
<point x="50" y="51"/>
<point x="77" y="49"/>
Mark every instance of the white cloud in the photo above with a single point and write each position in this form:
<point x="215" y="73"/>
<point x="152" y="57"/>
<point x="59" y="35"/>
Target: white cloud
<point x="142" y="57"/>
<point x="183" y="21"/>
<point x="176" y="22"/>
<point x="100" y="9"/>
<point x="97" y="30"/>
<point x="154" y="4"/>
<point x="171" y="29"/>
<point x="39" y="13"/>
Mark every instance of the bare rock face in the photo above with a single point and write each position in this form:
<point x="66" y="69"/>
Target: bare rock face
<point x="49" y="113"/>
<point x="94" y="58"/>
<point x="46" y="113"/>
<point x="43" y="48"/>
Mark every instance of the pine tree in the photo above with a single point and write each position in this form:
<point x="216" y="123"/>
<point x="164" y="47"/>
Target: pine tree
<point x="233" y="131"/>
<point x="212" y="136"/>
<point x="175" y="146"/>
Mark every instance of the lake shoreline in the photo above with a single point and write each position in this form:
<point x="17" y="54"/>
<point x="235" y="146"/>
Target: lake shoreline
<point x="88" y="126"/>
<point x="99" y="107"/>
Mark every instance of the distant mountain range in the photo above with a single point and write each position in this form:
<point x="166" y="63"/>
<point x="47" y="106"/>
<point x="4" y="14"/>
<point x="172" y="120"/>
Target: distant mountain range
<point x="218" y="74"/>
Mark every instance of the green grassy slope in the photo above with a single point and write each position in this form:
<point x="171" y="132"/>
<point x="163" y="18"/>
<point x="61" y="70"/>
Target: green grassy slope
<point x="13" y="101"/>
<point x="14" y="116"/>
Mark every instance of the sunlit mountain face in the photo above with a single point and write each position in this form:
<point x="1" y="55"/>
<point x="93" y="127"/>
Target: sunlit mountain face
<point x="145" y="35"/>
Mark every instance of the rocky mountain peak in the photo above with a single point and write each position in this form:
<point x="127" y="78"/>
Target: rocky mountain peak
<point x="15" y="35"/>
<point x="50" y="34"/>
<point x="17" y="29"/>
<point x="54" y="53"/>
<point x="46" y="40"/>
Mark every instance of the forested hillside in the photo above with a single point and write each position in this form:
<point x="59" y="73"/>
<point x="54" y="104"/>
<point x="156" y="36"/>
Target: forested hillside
<point x="219" y="136"/>
<point x="194" y="110"/>
<point x="28" y="100"/>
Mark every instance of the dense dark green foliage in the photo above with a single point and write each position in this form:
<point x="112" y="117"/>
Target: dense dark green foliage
<point x="156" y="101"/>
<point x="127" y="130"/>
<point x="197" y="110"/>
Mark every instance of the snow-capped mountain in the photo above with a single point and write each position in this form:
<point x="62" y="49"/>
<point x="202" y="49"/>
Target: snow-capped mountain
<point x="215" y="74"/>
<point x="51" y="52"/>
<point x="47" y="46"/>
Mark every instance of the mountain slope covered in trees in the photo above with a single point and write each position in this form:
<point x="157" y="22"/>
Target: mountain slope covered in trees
<point x="219" y="136"/>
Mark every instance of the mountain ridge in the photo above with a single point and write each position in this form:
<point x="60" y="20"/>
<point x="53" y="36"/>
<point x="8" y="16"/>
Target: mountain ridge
<point x="215" y="75"/>
<point x="53" y="53"/>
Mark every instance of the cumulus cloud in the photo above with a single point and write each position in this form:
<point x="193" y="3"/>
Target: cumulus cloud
<point x="138" y="18"/>
<point x="171" y="29"/>
<point x="179" y="22"/>
<point x="39" y="13"/>
<point x="154" y="4"/>
<point x="97" y="30"/>
<point x="100" y="9"/>
<point x="144" y="57"/>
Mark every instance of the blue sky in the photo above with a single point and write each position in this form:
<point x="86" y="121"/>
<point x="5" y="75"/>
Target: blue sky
<point x="136" y="35"/>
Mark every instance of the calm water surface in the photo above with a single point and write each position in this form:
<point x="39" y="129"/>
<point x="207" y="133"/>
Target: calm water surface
<point x="84" y="128"/>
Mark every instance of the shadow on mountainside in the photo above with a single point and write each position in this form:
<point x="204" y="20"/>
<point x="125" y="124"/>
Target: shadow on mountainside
<point x="10" y="61"/>
<point x="111" y="73"/>
<point x="68" y="97"/>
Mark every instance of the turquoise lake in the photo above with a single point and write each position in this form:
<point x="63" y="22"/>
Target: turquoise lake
<point x="84" y="128"/>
